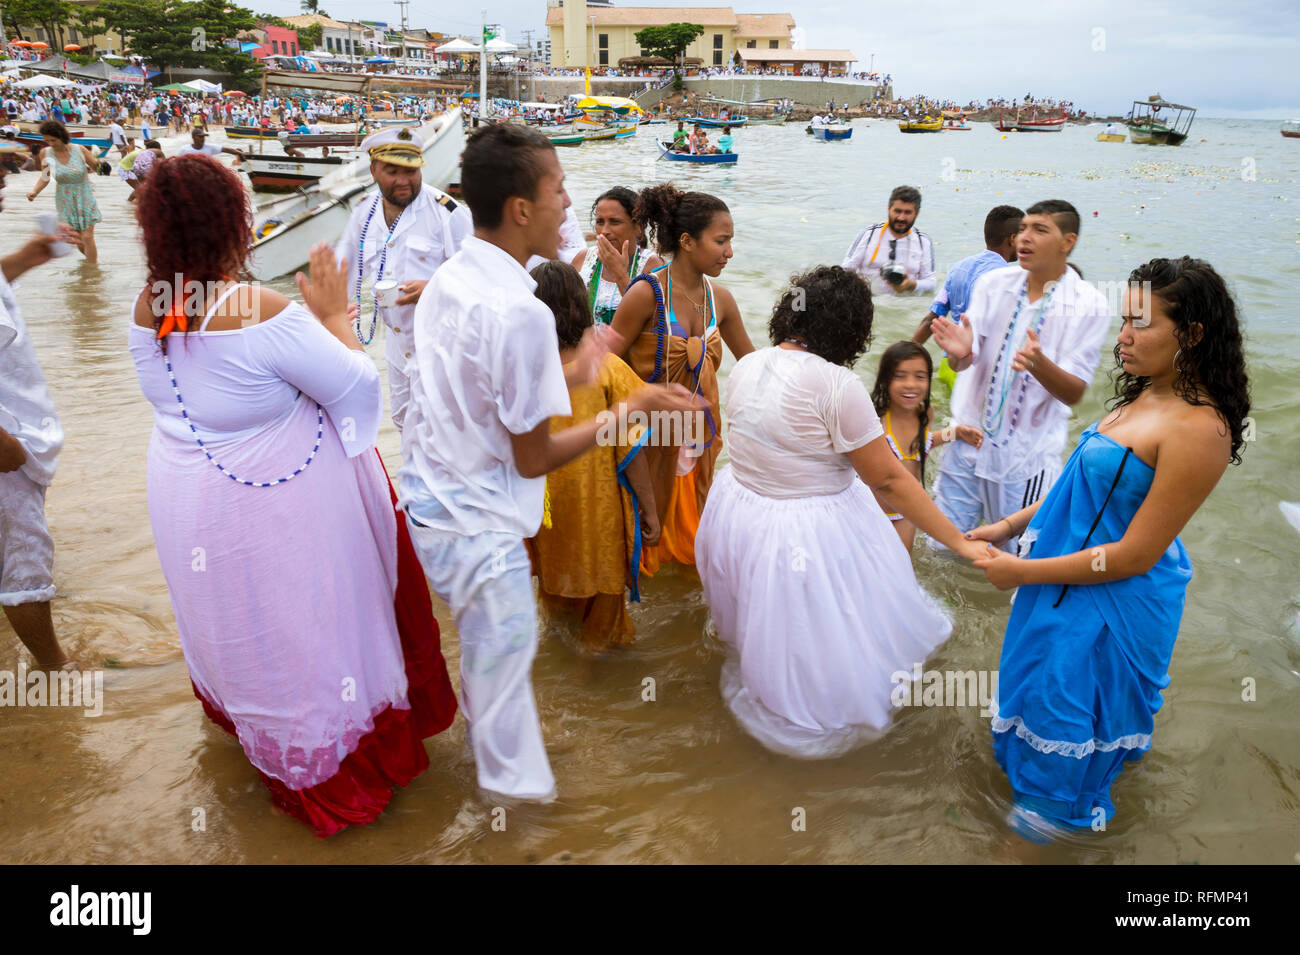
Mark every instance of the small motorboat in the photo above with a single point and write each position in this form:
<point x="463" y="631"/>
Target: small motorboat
<point x="1148" y="127"/>
<point x="927" y="124"/>
<point x="566" y="137"/>
<point x="1105" y="137"/>
<point x="1291" y="129"/>
<point x="603" y="134"/>
<point x="287" y="173"/>
<point x="713" y="122"/>
<point x="837" y="131"/>
<point x="703" y="159"/>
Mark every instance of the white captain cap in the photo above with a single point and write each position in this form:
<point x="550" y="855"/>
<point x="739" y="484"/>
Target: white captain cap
<point x="396" y="145"/>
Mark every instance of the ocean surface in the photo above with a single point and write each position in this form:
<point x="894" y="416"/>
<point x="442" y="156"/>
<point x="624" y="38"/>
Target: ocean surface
<point x="675" y="779"/>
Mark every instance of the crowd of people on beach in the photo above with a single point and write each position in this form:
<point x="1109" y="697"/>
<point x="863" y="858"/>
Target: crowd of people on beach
<point x="561" y="420"/>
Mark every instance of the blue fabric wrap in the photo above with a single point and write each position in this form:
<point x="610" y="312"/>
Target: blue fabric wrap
<point x="1079" y="683"/>
<point x="635" y="568"/>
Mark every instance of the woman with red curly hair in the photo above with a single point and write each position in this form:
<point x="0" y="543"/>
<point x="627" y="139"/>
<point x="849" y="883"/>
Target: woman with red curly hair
<point x="300" y="604"/>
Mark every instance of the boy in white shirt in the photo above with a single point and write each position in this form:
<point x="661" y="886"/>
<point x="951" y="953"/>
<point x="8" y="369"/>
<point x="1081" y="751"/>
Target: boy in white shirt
<point x="485" y="380"/>
<point x="1025" y="352"/>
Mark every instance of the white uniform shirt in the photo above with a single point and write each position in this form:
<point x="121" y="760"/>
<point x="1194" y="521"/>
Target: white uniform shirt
<point x="487" y="365"/>
<point x="427" y="234"/>
<point x="914" y="254"/>
<point x="26" y="410"/>
<point x="1075" y="321"/>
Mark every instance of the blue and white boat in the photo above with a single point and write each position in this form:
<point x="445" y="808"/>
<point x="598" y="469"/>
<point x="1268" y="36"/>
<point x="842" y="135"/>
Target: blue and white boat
<point x="843" y="131"/>
<point x="705" y="159"/>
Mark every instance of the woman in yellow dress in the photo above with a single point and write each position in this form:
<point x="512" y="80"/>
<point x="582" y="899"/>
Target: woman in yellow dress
<point x="600" y="511"/>
<point x="672" y="324"/>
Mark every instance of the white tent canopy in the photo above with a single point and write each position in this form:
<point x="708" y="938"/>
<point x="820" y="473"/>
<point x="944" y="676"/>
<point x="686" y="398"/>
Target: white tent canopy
<point x="204" y="85"/>
<point x="457" y="46"/>
<point x="44" y="82"/>
<point x="498" y="45"/>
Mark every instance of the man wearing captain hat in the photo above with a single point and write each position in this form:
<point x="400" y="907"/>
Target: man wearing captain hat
<point x="401" y="235"/>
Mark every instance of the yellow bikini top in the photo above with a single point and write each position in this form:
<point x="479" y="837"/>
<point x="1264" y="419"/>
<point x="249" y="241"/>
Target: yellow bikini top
<point x="893" y="443"/>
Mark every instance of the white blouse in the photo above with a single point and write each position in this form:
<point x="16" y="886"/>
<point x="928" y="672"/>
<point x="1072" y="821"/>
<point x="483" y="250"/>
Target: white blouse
<point x="238" y="382"/>
<point x="793" y="417"/>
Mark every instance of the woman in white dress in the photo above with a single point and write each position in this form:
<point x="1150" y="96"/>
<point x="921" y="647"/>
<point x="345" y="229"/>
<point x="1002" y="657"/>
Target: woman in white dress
<point x="620" y="254"/>
<point x="810" y="588"/>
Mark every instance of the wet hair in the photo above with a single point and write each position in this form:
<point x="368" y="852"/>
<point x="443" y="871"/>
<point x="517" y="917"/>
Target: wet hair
<point x="560" y="287"/>
<point x="56" y="129"/>
<point x="894" y="356"/>
<point x="829" y="310"/>
<point x="1063" y="214"/>
<point x="1001" y="222"/>
<point x="501" y="161"/>
<point x="906" y="194"/>
<point x="669" y="214"/>
<point x="196" y="223"/>
<point x="1211" y="372"/>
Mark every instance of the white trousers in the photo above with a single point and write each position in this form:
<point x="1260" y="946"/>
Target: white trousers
<point x="969" y="501"/>
<point x="487" y="581"/>
<point x="26" y="549"/>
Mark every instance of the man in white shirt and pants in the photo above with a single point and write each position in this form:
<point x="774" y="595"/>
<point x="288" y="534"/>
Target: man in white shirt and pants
<point x="486" y="379"/>
<point x="1025" y="352"/>
<point x="893" y="256"/>
<point x="403" y="234"/>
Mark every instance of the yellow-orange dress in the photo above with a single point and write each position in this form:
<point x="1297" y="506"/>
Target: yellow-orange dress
<point x="588" y="556"/>
<point x="661" y="354"/>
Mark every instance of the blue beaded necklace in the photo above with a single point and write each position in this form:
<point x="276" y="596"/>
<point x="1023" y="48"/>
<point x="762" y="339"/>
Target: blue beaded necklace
<point x="993" y="418"/>
<point x="320" y="430"/>
<point x="379" y="273"/>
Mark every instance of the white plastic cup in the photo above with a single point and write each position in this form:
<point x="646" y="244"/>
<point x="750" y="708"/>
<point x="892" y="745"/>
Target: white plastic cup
<point x="47" y="223"/>
<point x="386" y="293"/>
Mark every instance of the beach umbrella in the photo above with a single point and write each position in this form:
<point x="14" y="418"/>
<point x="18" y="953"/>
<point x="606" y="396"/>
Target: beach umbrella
<point x="380" y="59"/>
<point x="23" y="43"/>
<point x="176" y="88"/>
<point x="69" y="47"/>
<point x="39" y="45"/>
<point x="239" y="93"/>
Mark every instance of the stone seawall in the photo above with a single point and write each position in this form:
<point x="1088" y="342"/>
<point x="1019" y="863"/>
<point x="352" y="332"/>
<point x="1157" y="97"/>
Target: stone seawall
<point x="808" y="92"/>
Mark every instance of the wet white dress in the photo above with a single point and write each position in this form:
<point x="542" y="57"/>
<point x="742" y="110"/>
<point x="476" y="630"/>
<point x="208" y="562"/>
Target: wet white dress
<point x="809" y="585"/>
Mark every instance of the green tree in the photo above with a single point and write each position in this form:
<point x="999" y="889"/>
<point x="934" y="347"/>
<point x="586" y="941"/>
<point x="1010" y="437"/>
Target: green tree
<point x="177" y="33"/>
<point x="55" y="16"/>
<point x="669" y="42"/>
<point x="309" y="38"/>
<point x="312" y="6"/>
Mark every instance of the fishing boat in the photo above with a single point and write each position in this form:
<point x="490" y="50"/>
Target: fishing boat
<point x="252" y="132"/>
<point x="925" y="124"/>
<point x="703" y="159"/>
<point x="565" y="137"/>
<point x="35" y="142"/>
<point x="1032" y="119"/>
<point x="956" y="122"/>
<point x="714" y="122"/>
<point x="1291" y="129"/>
<point x="286" y="229"/>
<point x="1148" y="127"/>
<point x="1105" y="137"/>
<point x="751" y="106"/>
<point x="287" y="173"/>
<point x="604" y="134"/>
<point x="837" y="131"/>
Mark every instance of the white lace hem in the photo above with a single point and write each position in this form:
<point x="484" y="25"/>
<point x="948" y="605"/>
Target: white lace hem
<point x="1065" y="747"/>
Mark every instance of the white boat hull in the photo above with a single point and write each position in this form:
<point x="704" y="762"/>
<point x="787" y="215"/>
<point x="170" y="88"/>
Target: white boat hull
<point x="290" y="226"/>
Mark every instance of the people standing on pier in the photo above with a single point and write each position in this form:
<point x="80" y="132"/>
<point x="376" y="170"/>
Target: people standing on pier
<point x="893" y="256"/>
<point x="1025" y="352"/>
<point x="1102" y="573"/>
<point x="671" y="326"/>
<point x="805" y="578"/>
<point x="620" y="254"/>
<point x="403" y="234"/>
<point x="485" y="380"/>
<point x="302" y="613"/>
<point x="30" y="439"/>
<point x="70" y="167"/>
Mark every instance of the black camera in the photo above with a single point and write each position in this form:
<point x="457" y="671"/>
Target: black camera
<point x="892" y="275"/>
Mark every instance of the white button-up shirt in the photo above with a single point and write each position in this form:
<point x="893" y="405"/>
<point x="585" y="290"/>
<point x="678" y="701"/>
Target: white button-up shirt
<point x="487" y="365"/>
<point x="1075" y="321"/>
<point x="26" y="410"/>
<point x="425" y="236"/>
<point x="870" y="253"/>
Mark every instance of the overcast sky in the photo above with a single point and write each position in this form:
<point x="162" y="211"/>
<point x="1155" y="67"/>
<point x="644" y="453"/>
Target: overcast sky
<point x="1225" y="58"/>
